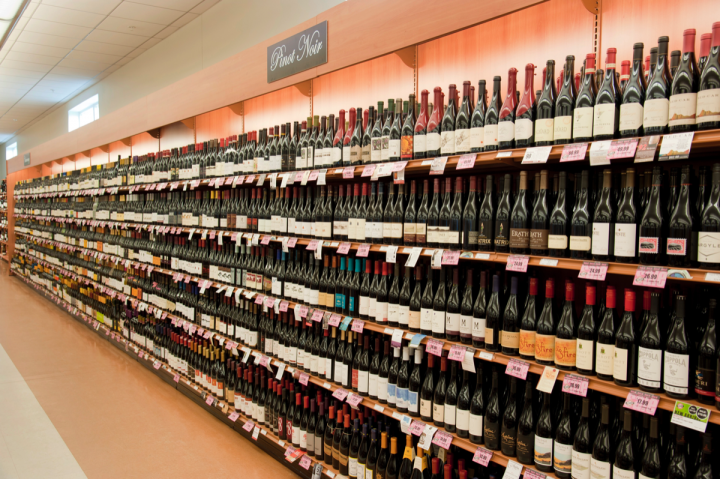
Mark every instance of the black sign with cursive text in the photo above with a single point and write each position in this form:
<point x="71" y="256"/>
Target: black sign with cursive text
<point x="297" y="53"/>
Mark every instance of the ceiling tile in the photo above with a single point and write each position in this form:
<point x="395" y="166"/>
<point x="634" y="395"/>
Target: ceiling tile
<point x="63" y="77"/>
<point x="133" y="27"/>
<point x="47" y="40"/>
<point x="122" y="61"/>
<point x="93" y="57"/>
<point x="103" y="7"/>
<point x="166" y="32"/>
<point x="146" y="13"/>
<point x="14" y="72"/>
<point x="151" y="42"/>
<point x="35" y="67"/>
<point x="105" y="48"/>
<point x="137" y="52"/>
<point x="74" y="73"/>
<point x="67" y="16"/>
<point x="183" y="5"/>
<point x="59" y="29"/>
<point x="185" y="19"/>
<point x="204" y="6"/>
<point x="82" y="65"/>
<point x="116" y="38"/>
<point x="23" y="47"/>
<point x="32" y="58"/>
<point x="10" y="84"/>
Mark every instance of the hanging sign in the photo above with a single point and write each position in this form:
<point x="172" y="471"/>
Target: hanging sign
<point x="302" y="51"/>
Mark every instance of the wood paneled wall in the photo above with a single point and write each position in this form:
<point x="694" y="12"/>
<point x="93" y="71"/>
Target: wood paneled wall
<point x="178" y="134"/>
<point x="219" y="123"/>
<point x="144" y="143"/>
<point x="289" y="104"/>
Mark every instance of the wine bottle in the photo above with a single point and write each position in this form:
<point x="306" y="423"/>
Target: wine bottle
<point x="582" y="447"/>
<point x="623" y="468"/>
<point x="607" y="102"/>
<point x="414" y="385"/>
<point x="580" y="229"/>
<point x="565" y="335"/>
<point x="683" y="226"/>
<point x="506" y="117"/>
<point x="419" y="142"/>
<point x="650" y="353"/>
<point x="626" y="222"/>
<point x="602" y="450"/>
<point x="704" y="470"/>
<point x="439" y="308"/>
<point x="462" y="122"/>
<point x="490" y="142"/>
<point x="565" y="104"/>
<point x="493" y="324"/>
<point x="520" y="220"/>
<point x="511" y="323"/>
<point x="492" y="418"/>
<point x="544" y="437"/>
<point x="563" y="444"/>
<point x="708" y="99"/>
<point x="528" y="324"/>
<point x="706" y="370"/>
<point x="508" y="429"/>
<point x="408" y="131"/>
<point x="477" y="410"/>
<point x="387" y="126"/>
<point x="434" y="125"/>
<point x="709" y="236"/>
<point x="403" y="381"/>
<point x="651" y="241"/>
<point x="605" y="354"/>
<point x="585" y="103"/>
<point x="625" y="359"/>
<point x="395" y="141"/>
<point x="540" y="222"/>
<point x="602" y="226"/>
<point x="469" y="218"/>
<point x="657" y="98"/>
<point x="452" y="317"/>
<point x="477" y="121"/>
<point x="525" y="113"/>
<point x="486" y="218"/>
<point x="447" y="135"/>
<point x="376" y="136"/>
<point x="651" y="467"/>
<point x="544" y="124"/>
<point x="705" y="41"/>
<point x="438" y="405"/>
<point x="633" y="97"/>
<point x="545" y="330"/>
<point x="678" y="350"/>
<point x="480" y="313"/>
<point x="678" y="467"/>
<point x="683" y="92"/>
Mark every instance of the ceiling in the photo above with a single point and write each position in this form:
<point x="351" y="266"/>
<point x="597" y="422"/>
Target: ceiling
<point x="61" y="47"/>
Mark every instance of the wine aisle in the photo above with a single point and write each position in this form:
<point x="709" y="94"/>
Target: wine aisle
<point x="116" y="418"/>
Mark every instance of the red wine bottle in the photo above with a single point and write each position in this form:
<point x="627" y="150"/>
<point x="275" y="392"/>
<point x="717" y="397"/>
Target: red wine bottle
<point x="565" y="334"/>
<point x="490" y="143"/>
<point x="420" y="129"/>
<point x="706" y="371"/>
<point x="607" y="102"/>
<point x="434" y="126"/>
<point x="520" y="220"/>
<point x="657" y="98"/>
<point x="683" y="93"/>
<point x="462" y="122"/>
<point x="477" y="121"/>
<point x="633" y="98"/>
<point x="708" y="99"/>
<point x="651" y="241"/>
<point x="544" y="123"/>
<point x="678" y="352"/>
<point x="650" y="352"/>
<point x="585" y="103"/>
<point x="525" y="113"/>
<point x="506" y="117"/>
<point x="565" y="104"/>
<point x="625" y="360"/>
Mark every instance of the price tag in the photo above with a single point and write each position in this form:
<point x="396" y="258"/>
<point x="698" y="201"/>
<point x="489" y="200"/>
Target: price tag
<point x="358" y="326"/>
<point x="577" y="385"/>
<point x="714" y="277"/>
<point x="312" y="246"/>
<point x="466" y="162"/>
<point x="442" y="439"/>
<point x="517" y="368"/>
<point x="482" y="456"/>
<point x="676" y="146"/>
<point x="438" y="165"/>
<point x="642" y="402"/>
<point x="417" y="428"/>
<point x="305" y="462"/>
<point x="396" y="340"/>
<point x="599" y="152"/>
<point x="266" y="240"/>
<point x="157" y="364"/>
<point x="427" y="436"/>
<point x="256" y="433"/>
<point x="176" y="378"/>
<point x="413" y="257"/>
<point x="593" y="271"/>
<point x="517" y="263"/>
<point x="622" y="149"/>
<point x="292" y="242"/>
<point x="457" y="353"/>
<point x="646" y="149"/>
<point x="434" y="346"/>
<point x="349" y="172"/>
<point x="450" y="257"/>
<point x="317" y="315"/>
<point x="547" y="379"/>
<point x="539" y="154"/>
<point x="335" y="320"/>
<point x="284" y="306"/>
<point x="533" y="474"/>
<point x="344" y="248"/>
<point x="280" y="371"/>
<point x="574" y="152"/>
<point x="363" y="250"/>
<point x="650" y="276"/>
<point x="391" y="254"/>
<point x="354" y="399"/>
<point x="304" y="379"/>
<point x="234" y="416"/>
<point x="368" y="170"/>
<point x="689" y="415"/>
<point x="512" y="470"/>
<point x="303" y="310"/>
<point x="345" y="323"/>
<point x="250" y="179"/>
<point x="209" y="400"/>
<point x="340" y="394"/>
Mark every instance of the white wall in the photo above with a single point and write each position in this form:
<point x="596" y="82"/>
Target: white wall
<point x="228" y="28"/>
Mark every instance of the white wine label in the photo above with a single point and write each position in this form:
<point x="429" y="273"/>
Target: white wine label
<point x="438" y="322"/>
<point x="506" y="131"/>
<point x="376" y="151"/>
<point x="580" y="243"/>
<point x="604" y="358"/>
<point x="656" y="113"/>
<point x="557" y="241"/>
<point x="585" y="354"/>
<point x="709" y="247"/>
<point x="599" y="469"/>
<point x="491" y="135"/>
<point x="544" y="129"/>
<point x="708" y="106"/>
<point x="433" y="141"/>
<point x="562" y="457"/>
<point x="463" y="419"/>
<point x="563" y="127"/>
<point x="622" y="473"/>
<point x="604" y="119"/>
<point x="676" y="373"/>
<point x="620" y="362"/>
<point x="543" y="451"/>
<point x="394" y="149"/>
<point x="477" y="136"/>
<point x="426" y="319"/>
<point x="631" y="116"/>
<point x="419" y="143"/>
<point x="581" y="465"/>
<point x="523" y="129"/>
<point x="649" y="367"/>
<point x="583" y="122"/>
<point x="476" y="425"/>
<point x="425" y="408"/>
<point x="447" y="142"/>
<point x="601" y="238"/>
<point x="682" y="109"/>
<point x="462" y="140"/>
<point x="625" y="240"/>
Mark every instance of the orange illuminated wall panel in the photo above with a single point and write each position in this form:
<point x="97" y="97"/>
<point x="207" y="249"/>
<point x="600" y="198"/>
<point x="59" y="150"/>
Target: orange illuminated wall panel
<point x="143" y="144"/>
<point x="98" y="156"/>
<point x="219" y="123"/>
<point x="178" y="134"/>
<point x="287" y="105"/>
<point x="119" y="148"/>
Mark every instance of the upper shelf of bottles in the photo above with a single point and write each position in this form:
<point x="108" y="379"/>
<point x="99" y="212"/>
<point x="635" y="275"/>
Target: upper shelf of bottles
<point x="706" y="141"/>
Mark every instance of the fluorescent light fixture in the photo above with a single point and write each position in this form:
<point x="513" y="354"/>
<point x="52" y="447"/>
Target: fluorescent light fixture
<point x="11" y="151"/>
<point x="84" y="113"/>
<point x="10" y="13"/>
<point x="8" y="8"/>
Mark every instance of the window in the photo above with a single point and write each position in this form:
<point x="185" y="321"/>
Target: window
<point x="11" y="151"/>
<point x="86" y="112"/>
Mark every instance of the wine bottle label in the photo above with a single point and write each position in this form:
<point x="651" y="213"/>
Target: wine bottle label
<point x="583" y="122"/>
<point x="360" y="229"/>
<point x="544" y="129"/>
<point x="396" y="230"/>
<point x="543" y="451"/>
<point x="622" y="473"/>
<point x="705" y="381"/>
<point x="539" y="239"/>
<point x="376" y="150"/>
<point x="340" y="228"/>
<point x="364" y="305"/>
<point x="580" y="465"/>
<point x="438" y="412"/>
<point x="584" y="354"/>
<point x="676" y="246"/>
<point x="649" y="367"/>
<point x="491" y="136"/>
<point x="450" y="237"/>
<point x="557" y="242"/>
<point x="655" y="113"/>
<point x="604" y="121"/>
<point x="545" y="347"/>
<point x="477" y="136"/>
<point x="393" y="312"/>
<point x="510" y="340"/>
<point x="562" y="128"/>
<point x="447" y="143"/>
<point x="402" y="397"/>
<point x="625" y="240"/>
<point x="420" y="233"/>
<point x="489" y="335"/>
<point x="562" y="457"/>
<point x="419" y="143"/>
<point x="438" y="322"/>
<point x="708" y="247"/>
<point x="505" y="131"/>
<point x="466" y="326"/>
<point x="580" y="243"/>
<point x="601" y="238"/>
<point x="426" y="319"/>
<point x="413" y="405"/>
<point x="519" y="238"/>
<point x="385" y="151"/>
<point x="462" y="140"/>
<point x="381" y="312"/>
<point x="527" y="343"/>
<point x="476" y="425"/>
<point x="565" y="352"/>
<point x="620" y="364"/>
<point x="373" y="385"/>
<point x="394" y="149"/>
<point x="631" y="116"/>
<point x="649" y="245"/>
<point x="676" y="373"/>
<point x="403" y="315"/>
<point x="369" y="474"/>
<point x="600" y="469"/>
<point x="450" y="413"/>
<point x="363" y="378"/>
<point x="366" y="155"/>
<point x="523" y="129"/>
<point x="478" y="329"/>
<point x="355" y="154"/>
<point x="708" y="106"/>
<point x="682" y="109"/>
<point x="452" y="323"/>
<point x="433" y="141"/>
<point x="352" y="466"/>
<point x="383" y="389"/>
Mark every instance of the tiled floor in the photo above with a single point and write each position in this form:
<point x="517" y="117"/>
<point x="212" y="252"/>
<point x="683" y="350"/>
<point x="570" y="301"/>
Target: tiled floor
<point x="73" y="406"/>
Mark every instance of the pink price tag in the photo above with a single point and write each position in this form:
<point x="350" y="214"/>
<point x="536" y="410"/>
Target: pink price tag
<point x="577" y="385"/>
<point x="354" y="399"/>
<point x="284" y="306"/>
<point x="157" y="364"/>
<point x="344" y="248"/>
<point x="314" y="175"/>
<point x="622" y="149"/>
<point x="398" y="166"/>
<point x="417" y="428"/>
<point x="340" y="394"/>
<point x="209" y="400"/>
<point x="312" y="246"/>
<point x="335" y="320"/>
<point x="212" y="234"/>
<point x="266" y="240"/>
<point x="642" y="402"/>
<point x="593" y="271"/>
<point x="304" y="379"/>
<point x="140" y="354"/>
<point x="517" y="368"/>
<point x="249" y="179"/>
<point x="233" y="237"/>
<point x="305" y="462"/>
<point x="363" y="250"/>
<point x="650" y="276"/>
<point x="317" y="315"/>
<point x="234" y="416"/>
<point x="517" y="263"/>
<point x="194" y="183"/>
<point x="264" y="361"/>
<point x="303" y="311"/>
<point x="349" y="172"/>
<point x="298" y="176"/>
<point x="176" y="378"/>
<point x="442" y="439"/>
<point x="533" y="474"/>
<point x="368" y="170"/>
<point x="269" y="302"/>
<point x="457" y="353"/>
<point x="482" y="456"/>
<point x="229" y="180"/>
<point x="292" y="242"/>
<point x="434" y="346"/>
<point x="207" y="335"/>
<point x="466" y="161"/>
<point x="450" y="257"/>
<point x="259" y="299"/>
<point x="248" y="426"/>
<point x="574" y="152"/>
<point x="358" y="326"/>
